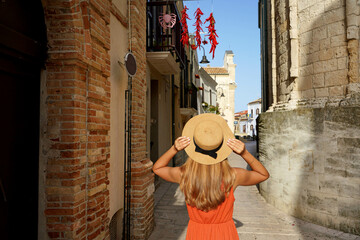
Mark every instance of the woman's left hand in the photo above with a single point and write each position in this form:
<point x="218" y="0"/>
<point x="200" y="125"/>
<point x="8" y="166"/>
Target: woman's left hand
<point x="181" y="143"/>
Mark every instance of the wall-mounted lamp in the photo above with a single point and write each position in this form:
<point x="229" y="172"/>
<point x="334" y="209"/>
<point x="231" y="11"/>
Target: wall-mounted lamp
<point x="221" y="91"/>
<point x="204" y="59"/>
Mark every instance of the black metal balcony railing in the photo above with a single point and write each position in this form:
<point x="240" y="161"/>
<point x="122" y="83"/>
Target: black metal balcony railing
<point x="160" y="39"/>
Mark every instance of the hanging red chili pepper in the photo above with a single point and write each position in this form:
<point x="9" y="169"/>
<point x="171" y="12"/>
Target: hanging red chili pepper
<point x="185" y="33"/>
<point x="212" y="33"/>
<point x="198" y="24"/>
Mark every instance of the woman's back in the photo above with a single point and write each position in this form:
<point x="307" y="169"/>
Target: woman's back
<point x="215" y="224"/>
<point x="206" y="179"/>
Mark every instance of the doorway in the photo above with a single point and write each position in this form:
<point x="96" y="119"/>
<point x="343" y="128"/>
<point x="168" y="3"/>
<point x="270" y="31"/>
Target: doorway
<point x="22" y="55"/>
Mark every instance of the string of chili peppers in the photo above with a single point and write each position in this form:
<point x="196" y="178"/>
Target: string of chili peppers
<point x="185" y="33"/>
<point x="197" y="25"/>
<point x="212" y="33"/>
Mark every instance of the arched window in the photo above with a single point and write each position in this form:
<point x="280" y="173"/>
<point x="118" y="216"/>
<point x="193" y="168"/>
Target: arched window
<point x="257" y="111"/>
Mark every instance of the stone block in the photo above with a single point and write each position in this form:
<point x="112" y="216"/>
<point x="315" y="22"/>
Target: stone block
<point x="306" y="70"/>
<point x="350" y="188"/>
<point x="337" y="28"/>
<point x="318" y="80"/>
<point x="301" y="161"/>
<point x="307" y="94"/>
<point x="337" y="91"/>
<point x="339" y="40"/>
<point x="321" y="202"/>
<point x="316" y="9"/>
<point x="306" y="38"/>
<point x="324" y="43"/>
<point x="349" y="208"/>
<point x="326" y="54"/>
<point x="320" y="33"/>
<point x="341" y="52"/>
<point x="321" y="92"/>
<point x="344" y="115"/>
<point x="333" y="16"/>
<point x="319" y="67"/>
<point x="336" y="78"/>
<point x="342" y="63"/>
<point x="332" y="5"/>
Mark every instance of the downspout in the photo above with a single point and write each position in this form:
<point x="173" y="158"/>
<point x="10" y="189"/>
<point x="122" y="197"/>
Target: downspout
<point x="173" y="114"/>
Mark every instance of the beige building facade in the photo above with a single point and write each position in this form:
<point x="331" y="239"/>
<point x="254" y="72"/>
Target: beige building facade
<point x="309" y="129"/>
<point x="225" y="89"/>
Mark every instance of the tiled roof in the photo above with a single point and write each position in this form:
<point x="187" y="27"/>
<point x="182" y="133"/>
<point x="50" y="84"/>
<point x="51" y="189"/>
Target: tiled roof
<point x="256" y="101"/>
<point x="216" y="70"/>
<point x="241" y="113"/>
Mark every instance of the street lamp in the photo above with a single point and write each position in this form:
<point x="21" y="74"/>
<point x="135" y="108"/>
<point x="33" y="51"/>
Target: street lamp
<point x="204" y="59"/>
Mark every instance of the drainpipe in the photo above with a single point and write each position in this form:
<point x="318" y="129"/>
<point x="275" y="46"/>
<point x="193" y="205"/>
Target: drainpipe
<point x="173" y="114"/>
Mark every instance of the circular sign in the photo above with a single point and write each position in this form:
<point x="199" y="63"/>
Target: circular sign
<point x="130" y="64"/>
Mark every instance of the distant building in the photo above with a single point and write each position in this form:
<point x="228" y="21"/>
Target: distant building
<point x="240" y="123"/>
<point x="206" y="90"/>
<point x="254" y="109"/>
<point x="225" y="78"/>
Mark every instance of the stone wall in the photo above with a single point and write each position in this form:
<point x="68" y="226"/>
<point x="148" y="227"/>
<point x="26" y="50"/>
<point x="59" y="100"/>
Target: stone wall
<point x="309" y="137"/>
<point x="315" y="54"/>
<point x="313" y="159"/>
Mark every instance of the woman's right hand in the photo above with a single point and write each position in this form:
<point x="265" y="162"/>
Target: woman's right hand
<point x="181" y="143"/>
<point x="236" y="145"/>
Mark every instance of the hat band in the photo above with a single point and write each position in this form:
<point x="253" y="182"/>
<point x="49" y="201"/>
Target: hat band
<point x="212" y="153"/>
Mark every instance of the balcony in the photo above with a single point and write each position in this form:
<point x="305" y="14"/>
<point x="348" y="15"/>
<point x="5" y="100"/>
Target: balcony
<point x="163" y="46"/>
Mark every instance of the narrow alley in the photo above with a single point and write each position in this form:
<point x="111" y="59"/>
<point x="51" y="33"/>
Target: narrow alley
<point x="253" y="217"/>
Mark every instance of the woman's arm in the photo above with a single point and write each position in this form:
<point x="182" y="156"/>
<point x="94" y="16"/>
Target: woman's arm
<point x="245" y="177"/>
<point x="161" y="168"/>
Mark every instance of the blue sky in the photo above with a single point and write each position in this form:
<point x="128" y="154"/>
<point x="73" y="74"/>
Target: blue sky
<point x="237" y="27"/>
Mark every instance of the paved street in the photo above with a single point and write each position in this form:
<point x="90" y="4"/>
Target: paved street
<point x="254" y="218"/>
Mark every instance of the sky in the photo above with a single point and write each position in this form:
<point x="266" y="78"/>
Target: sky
<point x="237" y="27"/>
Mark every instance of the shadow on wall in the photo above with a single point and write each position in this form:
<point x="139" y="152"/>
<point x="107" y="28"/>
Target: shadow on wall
<point x="313" y="153"/>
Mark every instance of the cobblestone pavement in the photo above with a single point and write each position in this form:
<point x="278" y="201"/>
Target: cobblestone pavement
<point x="253" y="217"/>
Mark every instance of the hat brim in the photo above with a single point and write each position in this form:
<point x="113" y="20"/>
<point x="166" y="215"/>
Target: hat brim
<point x="222" y="153"/>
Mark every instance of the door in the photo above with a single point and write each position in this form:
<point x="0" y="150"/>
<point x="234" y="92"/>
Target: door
<point x="22" y="48"/>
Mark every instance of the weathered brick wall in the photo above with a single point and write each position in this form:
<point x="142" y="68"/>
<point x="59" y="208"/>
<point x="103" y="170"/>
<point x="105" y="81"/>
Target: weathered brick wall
<point x="313" y="159"/>
<point x="142" y="178"/>
<point x="75" y="142"/>
<point x="75" y="146"/>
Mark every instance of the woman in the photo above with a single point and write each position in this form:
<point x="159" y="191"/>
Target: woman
<point x="206" y="179"/>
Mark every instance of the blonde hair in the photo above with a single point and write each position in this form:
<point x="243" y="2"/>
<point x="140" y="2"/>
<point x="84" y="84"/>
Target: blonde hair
<point x="206" y="186"/>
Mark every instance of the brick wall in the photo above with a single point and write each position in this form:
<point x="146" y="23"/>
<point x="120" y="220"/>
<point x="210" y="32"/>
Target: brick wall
<point x="76" y="145"/>
<point x="75" y="141"/>
<point x="142" y="178"/>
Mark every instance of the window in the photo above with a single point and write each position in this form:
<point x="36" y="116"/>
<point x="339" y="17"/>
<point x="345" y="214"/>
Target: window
<point x="203" y="93"/>
<point x="257" y="111"/>
<point x="251" y="127"/>
<point x="252" y="112"/>
<point x="210" y="98"/>
<point x="244" y="128"/>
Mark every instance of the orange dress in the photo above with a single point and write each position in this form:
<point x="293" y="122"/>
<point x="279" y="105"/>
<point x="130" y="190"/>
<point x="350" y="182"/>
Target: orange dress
<point x="216" y="224"/>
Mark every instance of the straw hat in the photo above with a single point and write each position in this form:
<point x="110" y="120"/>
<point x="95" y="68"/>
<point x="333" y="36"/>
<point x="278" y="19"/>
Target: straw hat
<point x="209" y="134"/>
